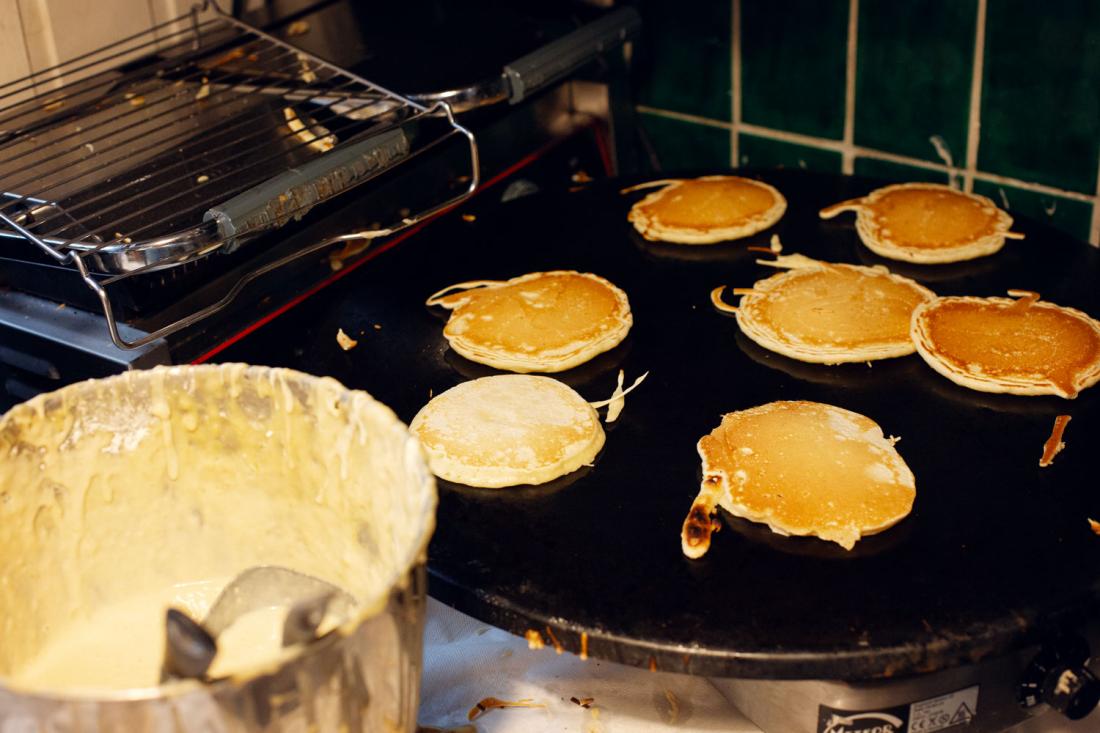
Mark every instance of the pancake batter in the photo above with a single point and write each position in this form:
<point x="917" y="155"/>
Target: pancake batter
<point x="120" y="497"/>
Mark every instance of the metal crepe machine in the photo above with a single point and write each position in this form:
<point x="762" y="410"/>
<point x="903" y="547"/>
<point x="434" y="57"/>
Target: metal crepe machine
<point x="154" y="480"/>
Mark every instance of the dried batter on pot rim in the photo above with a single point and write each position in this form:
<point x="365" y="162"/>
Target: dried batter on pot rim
<point x="802" y="468"/>
<point x="538" y="322"/>
<point x="706" y="210"/>
<point x="927" y="223"/>
<point x="1023" y="346"/>
<point x="828" y="313"/>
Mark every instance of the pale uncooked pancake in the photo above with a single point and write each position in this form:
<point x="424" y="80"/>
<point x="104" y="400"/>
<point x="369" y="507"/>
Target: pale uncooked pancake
<point x="830" y="313"/>
<point x="507" y="430"/>
<point x="927" y="223"/>
<point x="539" y="322"/>
<point x="802" y="468"/>
<point x="706" y="210"/>
<point x="1022" y="346"/>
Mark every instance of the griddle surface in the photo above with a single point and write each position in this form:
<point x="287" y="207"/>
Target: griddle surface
<point x="995" y="547"/>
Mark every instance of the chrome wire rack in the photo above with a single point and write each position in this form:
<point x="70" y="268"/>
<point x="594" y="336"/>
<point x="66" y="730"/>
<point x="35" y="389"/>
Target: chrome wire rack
<point x="190" y="139"/>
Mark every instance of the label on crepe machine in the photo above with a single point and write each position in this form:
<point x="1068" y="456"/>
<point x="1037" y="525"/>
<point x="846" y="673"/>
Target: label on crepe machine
<point x="943" y="712"/>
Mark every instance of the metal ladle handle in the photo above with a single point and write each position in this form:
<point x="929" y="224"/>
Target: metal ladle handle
<point x="191" y="646"/>
<point x="189" y="649"/>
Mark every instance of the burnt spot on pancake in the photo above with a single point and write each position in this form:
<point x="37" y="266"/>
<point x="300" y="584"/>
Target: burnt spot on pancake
<point x="697" y="530"/>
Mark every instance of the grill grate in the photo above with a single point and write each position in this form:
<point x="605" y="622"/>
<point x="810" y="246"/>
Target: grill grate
<point x="191" y="138"/>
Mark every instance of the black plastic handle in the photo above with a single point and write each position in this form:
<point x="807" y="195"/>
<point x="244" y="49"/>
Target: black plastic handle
<point x="1059" y="676"/>
<point x="567" y="54"/>
<point x="1072" y="691"/>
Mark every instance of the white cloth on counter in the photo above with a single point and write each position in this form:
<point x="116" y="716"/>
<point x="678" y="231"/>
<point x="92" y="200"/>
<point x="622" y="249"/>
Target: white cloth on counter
<point x="466" y="661"/>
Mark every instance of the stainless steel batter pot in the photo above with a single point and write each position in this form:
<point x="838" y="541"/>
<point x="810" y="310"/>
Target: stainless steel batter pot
<point x="189" y="472"/>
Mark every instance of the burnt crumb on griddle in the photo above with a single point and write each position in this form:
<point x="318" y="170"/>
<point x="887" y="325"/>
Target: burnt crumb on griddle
<point x="558" y="648"/>
<point x="1054" y="444"/>
<point x="345" y="342"/>
<point x="534" y="639"/>
<point x="297" y="28"/>
<point x="489" y="703"/>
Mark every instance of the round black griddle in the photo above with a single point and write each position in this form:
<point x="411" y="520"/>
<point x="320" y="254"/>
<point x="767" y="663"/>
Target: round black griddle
<point x="996" y="553"/>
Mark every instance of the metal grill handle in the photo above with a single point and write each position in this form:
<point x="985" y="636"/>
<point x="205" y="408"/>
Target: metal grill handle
<point x="565" y="55"/>
<point x="101" y="288"/>
<point x="293" y="193"/>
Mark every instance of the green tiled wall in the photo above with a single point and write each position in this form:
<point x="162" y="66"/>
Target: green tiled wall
<point x="1041" y="92"/>
<point x="688" y="144"/>
<point x="793" y="60"/>
<point x="890" y="171"/>
<point x="912" y="84"/>
<point x="762" y="152"/>
<point x="1038" y="99"/>
<point x="685" y="58"/>
<point x="1068" y="215"/>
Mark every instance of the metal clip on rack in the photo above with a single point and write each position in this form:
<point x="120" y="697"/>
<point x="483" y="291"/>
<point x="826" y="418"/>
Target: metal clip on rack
<point x="189" y="140"/>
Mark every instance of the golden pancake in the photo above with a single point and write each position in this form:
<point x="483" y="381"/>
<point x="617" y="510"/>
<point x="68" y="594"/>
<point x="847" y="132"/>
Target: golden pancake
<point x="706" y="210"/>
<point x="802" y="468"/>
<point x="540" y="322"/>
<point x="927" y="223"/>
<point x="507" y="430"/>
<point x="829" y="313"/>
<point x="1022" y="346"/>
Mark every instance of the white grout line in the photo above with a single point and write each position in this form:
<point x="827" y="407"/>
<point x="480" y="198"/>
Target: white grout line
<point x="974" y="120"/>
<point x="1094" y="230"/>
<point x="735" y="78"/>
<point x="794" y="137"/>
<point x="1035" y="187"/>
<point x="839" y="147"/>
<point x="847" y="160"/>
<point x="683" y="117"/>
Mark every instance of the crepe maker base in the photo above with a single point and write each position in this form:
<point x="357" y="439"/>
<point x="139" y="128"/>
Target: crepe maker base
<point x="996" y="550"/>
